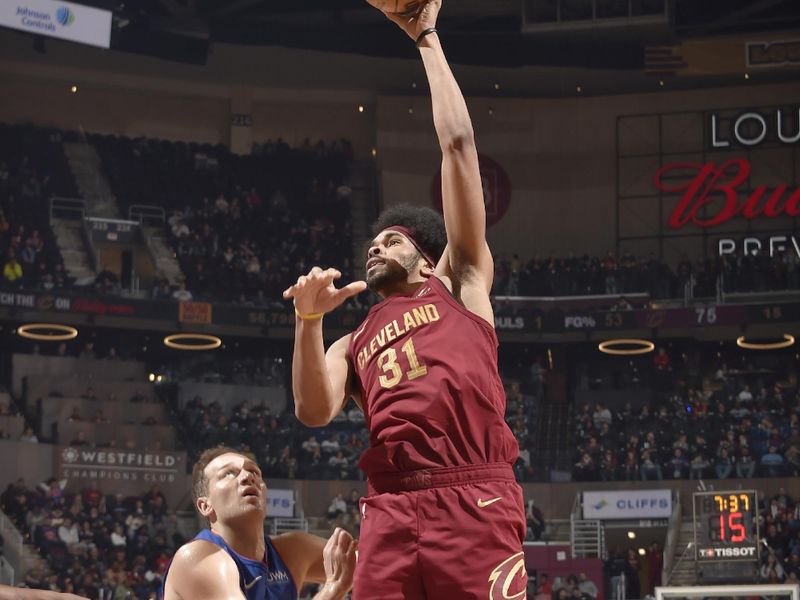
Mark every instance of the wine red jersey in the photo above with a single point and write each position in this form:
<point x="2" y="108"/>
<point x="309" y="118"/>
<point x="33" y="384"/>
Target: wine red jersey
<point x="426" y="368"/>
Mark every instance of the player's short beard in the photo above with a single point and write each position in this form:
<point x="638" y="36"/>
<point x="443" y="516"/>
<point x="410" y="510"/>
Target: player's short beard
<point x="394" y="271"/>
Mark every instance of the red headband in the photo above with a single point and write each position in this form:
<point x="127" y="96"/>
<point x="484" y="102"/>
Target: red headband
<point x="407" y="232"/>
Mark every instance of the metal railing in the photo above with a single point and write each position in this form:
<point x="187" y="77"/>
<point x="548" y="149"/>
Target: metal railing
<point x="88" y="245"/>
<point x="686" y="551"/>
<point x="67" y="208"/>
<point x="281" y="525"/>
<point x="673" y="532"/>
<point x="688" y="290"/>
<point x="13" y="545"/>
<point x="587" y="538"/>
<point x="146" y="214"/>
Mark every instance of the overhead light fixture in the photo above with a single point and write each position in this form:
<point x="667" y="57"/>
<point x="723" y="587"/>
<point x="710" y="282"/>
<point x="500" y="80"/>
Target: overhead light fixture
<point x="74" y="89"/>
<point x="638" y="346"/>
<point x="361" y="108"/>
<point x="151" y="377"/>
<point x="47" y="332"/>
<point x="192" y="341"/>
<point x="642" y="551"/>
<point x="631" y="535"/>
<point x="788" y="340"/>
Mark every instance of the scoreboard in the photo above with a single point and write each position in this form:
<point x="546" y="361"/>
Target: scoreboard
<point x="726" y="526"/>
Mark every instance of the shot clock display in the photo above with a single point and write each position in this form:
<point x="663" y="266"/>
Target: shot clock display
<point x="726" y="526"/>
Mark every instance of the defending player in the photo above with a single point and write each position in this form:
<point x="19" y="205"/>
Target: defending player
<point x="234" y="560"/>
<point x="444" y="517"/>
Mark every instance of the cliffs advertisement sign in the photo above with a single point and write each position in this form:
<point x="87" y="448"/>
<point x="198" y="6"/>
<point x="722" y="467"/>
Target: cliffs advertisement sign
<point x="639" y="504"/>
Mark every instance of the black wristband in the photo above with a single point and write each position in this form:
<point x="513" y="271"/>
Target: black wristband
<point x="425" y="32"/>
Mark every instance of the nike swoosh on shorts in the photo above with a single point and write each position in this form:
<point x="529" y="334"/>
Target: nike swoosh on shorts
<point x="485" y="503"/>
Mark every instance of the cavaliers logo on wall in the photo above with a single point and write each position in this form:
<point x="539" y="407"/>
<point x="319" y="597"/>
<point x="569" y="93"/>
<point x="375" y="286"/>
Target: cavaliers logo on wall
<point x="496" y="189"/>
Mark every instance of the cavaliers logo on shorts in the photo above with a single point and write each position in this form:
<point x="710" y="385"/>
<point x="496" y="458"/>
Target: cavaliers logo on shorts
<point x="509" y="579"/>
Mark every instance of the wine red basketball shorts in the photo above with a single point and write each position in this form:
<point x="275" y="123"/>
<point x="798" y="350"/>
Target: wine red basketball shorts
<point x="442" y="534"/>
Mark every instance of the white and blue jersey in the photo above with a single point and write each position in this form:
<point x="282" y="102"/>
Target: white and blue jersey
<point x="259" y="580"/>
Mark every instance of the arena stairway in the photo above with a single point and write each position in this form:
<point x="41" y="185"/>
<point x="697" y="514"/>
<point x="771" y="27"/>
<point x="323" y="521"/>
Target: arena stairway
<point x="86" y="167"/>
<point x="683" y="563"/>
<point x="22" y="556"/>
<point x="162" y="254"/>
<point x="69" y="239"/>
<point x="552" y="439"/>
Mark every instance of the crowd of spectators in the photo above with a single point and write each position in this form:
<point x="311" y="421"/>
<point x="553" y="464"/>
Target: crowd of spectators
<point x="344" y="512"/>
<point x="632" y="572"/>
<point x="780" y="529"/>
<point x="569" y="587"/>
<point x="32" y="169"/>
<point x="242" y="227"/>
<point x="95" y="545"/>
<point x="254" y="370"/>
<point x="287" y="449"/>
<point x="284" y="447"/>
<point x="573" y="275"/>
<point x="736" y="424"/>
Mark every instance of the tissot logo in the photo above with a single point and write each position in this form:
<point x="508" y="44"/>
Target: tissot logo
<point x="745" y="552"/>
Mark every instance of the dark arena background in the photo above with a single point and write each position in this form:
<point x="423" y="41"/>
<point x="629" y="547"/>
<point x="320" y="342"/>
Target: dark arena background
<point x="168" y="168"/>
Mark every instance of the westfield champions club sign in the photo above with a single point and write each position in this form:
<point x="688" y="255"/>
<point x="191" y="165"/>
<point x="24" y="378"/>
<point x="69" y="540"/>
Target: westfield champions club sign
<point x="715" y="193"/>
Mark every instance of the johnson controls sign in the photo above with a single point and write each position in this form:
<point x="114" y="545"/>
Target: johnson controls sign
<point x="65" y="20"/>
<point x="639" y="504"/>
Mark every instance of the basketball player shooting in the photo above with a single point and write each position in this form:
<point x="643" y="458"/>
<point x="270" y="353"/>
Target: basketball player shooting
<point x="444" y="516"/>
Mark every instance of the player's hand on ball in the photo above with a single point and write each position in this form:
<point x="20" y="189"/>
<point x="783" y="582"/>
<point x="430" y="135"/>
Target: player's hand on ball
<point x="315" y="293"/>
<point x="339" y="558"/>
<point x="424" y="19"/>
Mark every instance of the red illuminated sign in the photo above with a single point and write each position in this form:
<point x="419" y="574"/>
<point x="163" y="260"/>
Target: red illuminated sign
<point x="496" y="189"/>
<point x="713" y="195"/>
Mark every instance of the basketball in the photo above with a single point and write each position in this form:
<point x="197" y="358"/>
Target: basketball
<point x="405" y="8"/>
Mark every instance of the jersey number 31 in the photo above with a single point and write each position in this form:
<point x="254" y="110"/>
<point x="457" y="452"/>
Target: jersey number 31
<point x="391" y="369"/>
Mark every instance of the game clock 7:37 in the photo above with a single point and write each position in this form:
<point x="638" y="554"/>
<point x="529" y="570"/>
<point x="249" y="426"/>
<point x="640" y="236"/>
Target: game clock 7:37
<point x="726" y="526"/>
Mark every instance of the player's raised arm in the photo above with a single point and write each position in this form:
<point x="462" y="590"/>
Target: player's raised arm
<point x="467" y="253"/>
<point x="320" y="381"/>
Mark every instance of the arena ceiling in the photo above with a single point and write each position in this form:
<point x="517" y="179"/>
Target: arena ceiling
<point x="479" y="33"/>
